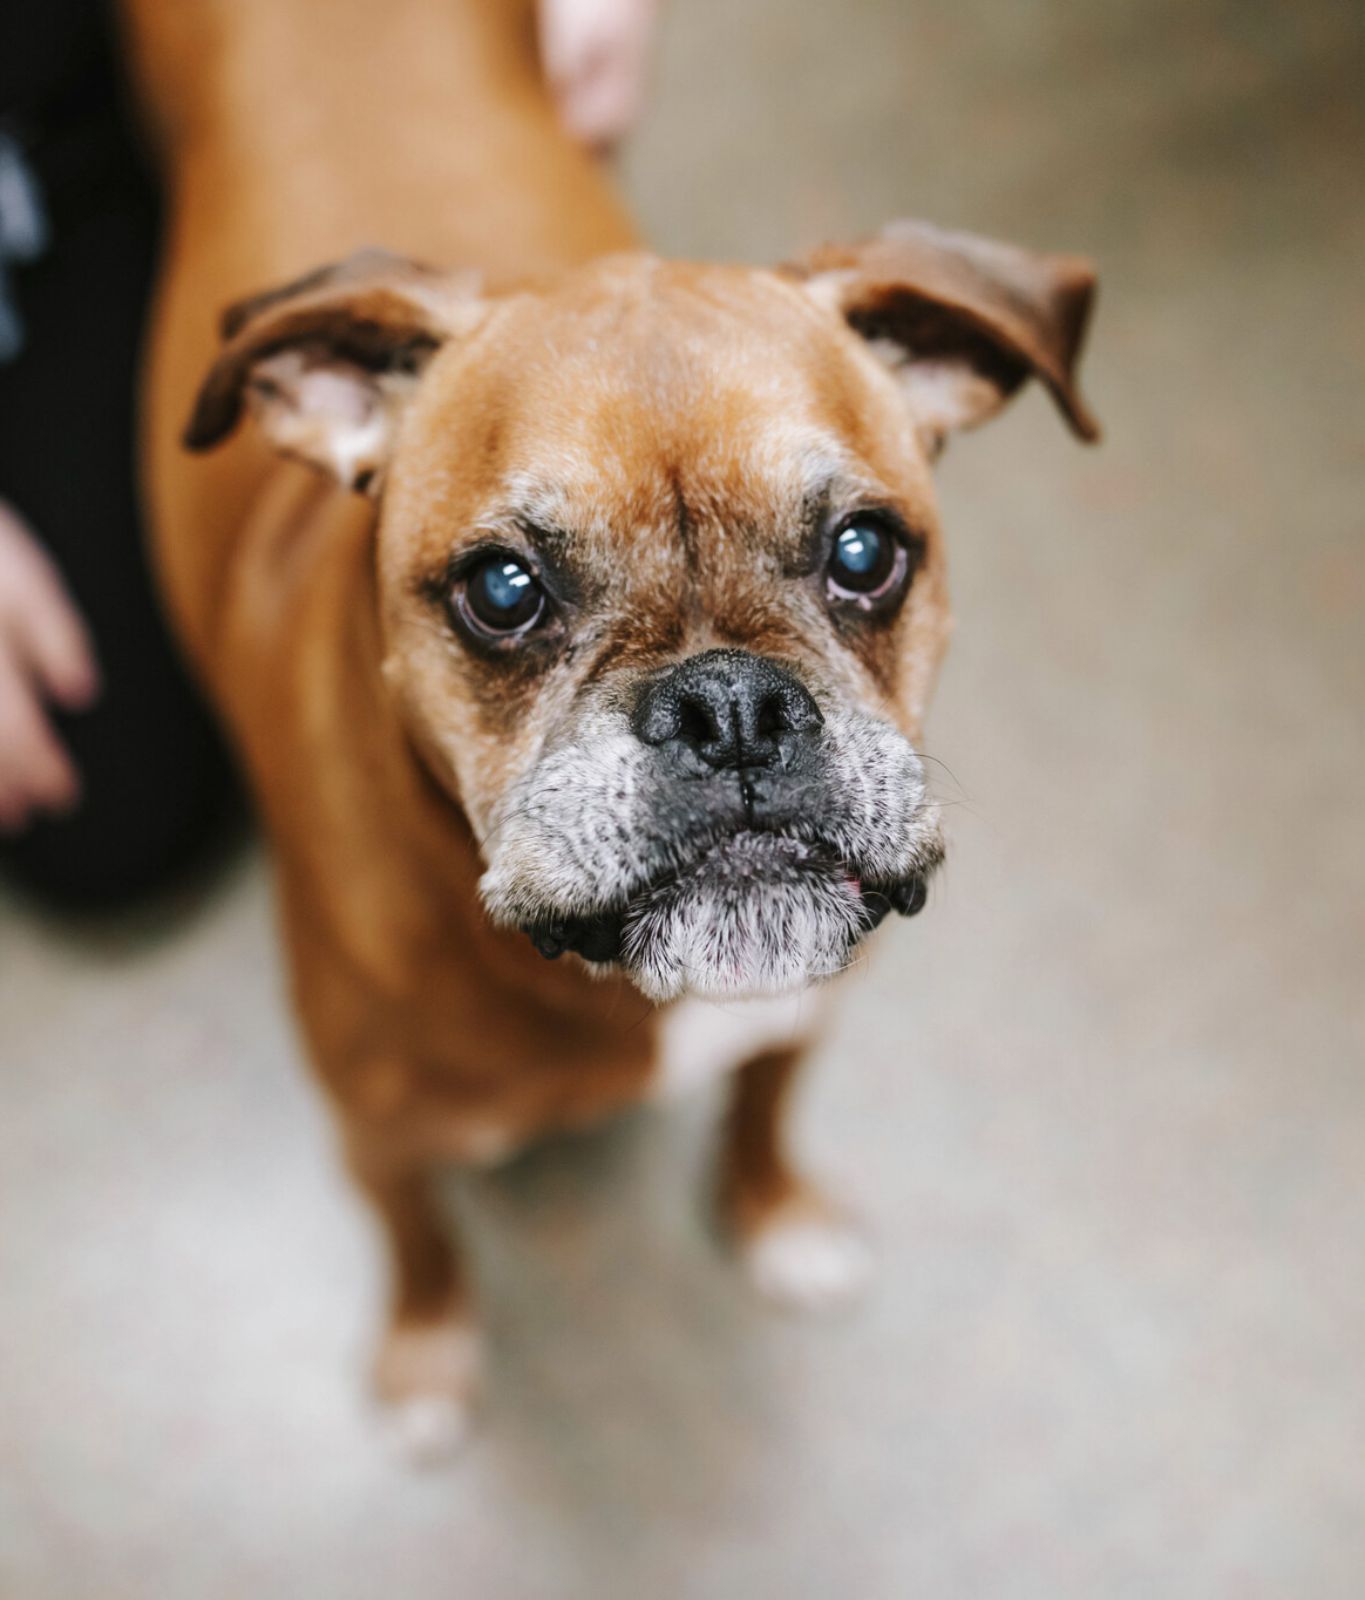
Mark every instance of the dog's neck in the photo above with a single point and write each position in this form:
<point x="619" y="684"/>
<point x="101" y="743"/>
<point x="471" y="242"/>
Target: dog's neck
<point x="273" y="62"/>
<point x="421" y="125"/>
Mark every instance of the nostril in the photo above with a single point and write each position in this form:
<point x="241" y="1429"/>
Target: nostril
<point x="771" y="718"/>
<point x="697" y="723"/>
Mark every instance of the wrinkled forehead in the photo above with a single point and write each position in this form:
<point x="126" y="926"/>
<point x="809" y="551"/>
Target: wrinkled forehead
<point x="643" y="397"/>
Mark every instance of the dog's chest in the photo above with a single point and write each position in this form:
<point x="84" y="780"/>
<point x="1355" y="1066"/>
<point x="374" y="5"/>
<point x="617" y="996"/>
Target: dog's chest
<point x="698" y="1041"/>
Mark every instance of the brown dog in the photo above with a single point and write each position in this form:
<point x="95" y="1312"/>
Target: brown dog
<point x="624" y="638"/>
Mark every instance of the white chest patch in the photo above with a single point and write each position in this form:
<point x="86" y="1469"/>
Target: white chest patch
<point x="699" y="1040"/>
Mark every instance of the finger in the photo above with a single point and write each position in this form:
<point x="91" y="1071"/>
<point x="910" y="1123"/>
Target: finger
<point x="595" y="55"/>
<point x="36" y="774"/>
<point x="54" y="640"/>
<point x="12" y="525"/>
<point x="41" y="618"/>
<point x="601" y="102"/>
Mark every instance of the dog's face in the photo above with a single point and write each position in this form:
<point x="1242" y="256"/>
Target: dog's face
<point x="661" y="578"/>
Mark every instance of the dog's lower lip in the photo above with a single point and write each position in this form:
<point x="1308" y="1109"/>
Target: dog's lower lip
<point x="596" y="938"/>
<point x="908" y="897"/>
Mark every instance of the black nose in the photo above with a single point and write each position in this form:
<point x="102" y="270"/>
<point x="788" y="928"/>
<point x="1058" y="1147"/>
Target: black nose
<point x="730" y="707"/>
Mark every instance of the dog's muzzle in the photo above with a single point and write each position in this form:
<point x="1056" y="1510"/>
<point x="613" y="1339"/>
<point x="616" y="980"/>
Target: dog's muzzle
<point x="738" y="740"/>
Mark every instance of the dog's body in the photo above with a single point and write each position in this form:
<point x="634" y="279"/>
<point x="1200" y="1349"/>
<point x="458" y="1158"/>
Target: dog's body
<point x="401" y="772"/>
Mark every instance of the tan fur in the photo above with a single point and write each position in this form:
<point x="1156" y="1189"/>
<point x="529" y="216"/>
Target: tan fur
<point x="564" y="369"/>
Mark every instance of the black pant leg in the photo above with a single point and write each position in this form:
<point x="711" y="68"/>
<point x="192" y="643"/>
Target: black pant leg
<point x="157" y="783"/>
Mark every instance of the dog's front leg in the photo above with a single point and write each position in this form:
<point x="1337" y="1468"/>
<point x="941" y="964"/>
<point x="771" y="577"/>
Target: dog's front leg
<point x="798" y="1247"/>
<point x="426" y="1369"/>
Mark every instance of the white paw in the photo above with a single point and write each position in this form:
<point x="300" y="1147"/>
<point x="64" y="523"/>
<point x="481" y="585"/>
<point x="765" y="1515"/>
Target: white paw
<point x="809" y="1263"/>
<point x="427" y="1377"/>
<point x="428" y="1430"/>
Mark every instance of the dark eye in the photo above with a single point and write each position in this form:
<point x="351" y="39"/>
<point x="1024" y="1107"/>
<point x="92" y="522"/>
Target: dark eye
<point x="502" y="596"/>
<point x="865" y="563"/>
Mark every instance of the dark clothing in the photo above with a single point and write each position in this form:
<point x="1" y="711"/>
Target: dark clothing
<point x="157" y="785"/>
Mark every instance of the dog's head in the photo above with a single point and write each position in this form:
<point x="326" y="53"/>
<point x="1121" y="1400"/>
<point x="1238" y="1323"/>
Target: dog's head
<point x="661" y="579"/>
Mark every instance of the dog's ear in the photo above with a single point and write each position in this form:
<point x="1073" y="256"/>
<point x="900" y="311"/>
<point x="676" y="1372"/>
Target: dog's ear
<point x="326" y="363"/>
<point x="962" y="321"/>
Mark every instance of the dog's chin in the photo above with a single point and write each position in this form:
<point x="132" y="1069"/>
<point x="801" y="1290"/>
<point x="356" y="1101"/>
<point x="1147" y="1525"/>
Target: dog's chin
<point x="757" y="914"/>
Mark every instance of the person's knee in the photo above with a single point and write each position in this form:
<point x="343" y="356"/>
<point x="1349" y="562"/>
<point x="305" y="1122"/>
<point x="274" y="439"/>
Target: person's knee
<point x="141" y="829"/>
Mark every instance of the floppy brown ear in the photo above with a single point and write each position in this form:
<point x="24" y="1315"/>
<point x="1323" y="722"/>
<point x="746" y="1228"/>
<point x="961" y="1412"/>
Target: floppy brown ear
<point x="327" y="363"/>
<point x="961" y="320"/>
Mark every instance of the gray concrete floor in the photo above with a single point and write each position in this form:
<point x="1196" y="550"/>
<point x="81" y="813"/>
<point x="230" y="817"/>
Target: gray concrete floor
<point x="1105" y="1104"/>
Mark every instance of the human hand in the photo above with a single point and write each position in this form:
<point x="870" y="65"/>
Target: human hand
<point x="595" y="55"/>
<point x="45" y="656"/>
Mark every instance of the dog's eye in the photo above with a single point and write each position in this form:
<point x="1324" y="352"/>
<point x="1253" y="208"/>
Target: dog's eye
<point x="501" y="596"/>
<point x="866" y="563"/>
